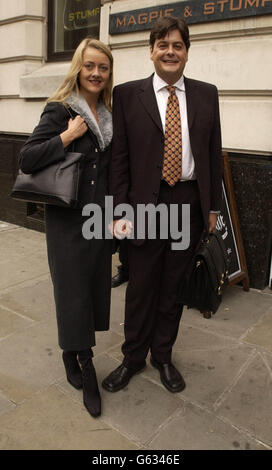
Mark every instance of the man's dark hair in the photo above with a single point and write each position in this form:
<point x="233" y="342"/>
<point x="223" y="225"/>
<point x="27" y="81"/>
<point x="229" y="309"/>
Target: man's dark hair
<point x="164" y="25"/>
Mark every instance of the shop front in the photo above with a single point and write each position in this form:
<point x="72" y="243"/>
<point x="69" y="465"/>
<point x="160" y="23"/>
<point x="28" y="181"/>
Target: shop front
<point x="231" y="47"/>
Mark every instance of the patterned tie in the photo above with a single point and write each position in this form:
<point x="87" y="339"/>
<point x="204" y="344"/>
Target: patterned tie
<point x="171" y="170"/>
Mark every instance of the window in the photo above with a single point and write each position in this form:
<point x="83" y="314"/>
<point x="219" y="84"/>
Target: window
<point x="70" y="21"/>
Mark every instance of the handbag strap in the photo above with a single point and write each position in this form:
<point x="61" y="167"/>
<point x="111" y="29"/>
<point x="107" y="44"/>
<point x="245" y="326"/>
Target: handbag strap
<point x="93" y="138"/>
<point x="71" y="116"/>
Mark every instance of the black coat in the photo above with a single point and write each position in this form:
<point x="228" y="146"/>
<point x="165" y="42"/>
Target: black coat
<point x="45" y="147"/>
<point x="80" y="268"/>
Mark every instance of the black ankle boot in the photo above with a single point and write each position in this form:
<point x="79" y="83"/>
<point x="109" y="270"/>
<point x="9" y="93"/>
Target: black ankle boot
<point x="91" y="395"/>
<point x="73" y="371"/>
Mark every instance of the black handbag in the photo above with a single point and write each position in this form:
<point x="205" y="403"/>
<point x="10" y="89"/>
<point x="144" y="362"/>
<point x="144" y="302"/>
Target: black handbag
<point x="207" y="275"/>
<point x="56" y="184"/>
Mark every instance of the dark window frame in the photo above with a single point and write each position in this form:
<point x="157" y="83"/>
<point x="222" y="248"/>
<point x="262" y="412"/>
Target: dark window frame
<point x="51" y="55"/>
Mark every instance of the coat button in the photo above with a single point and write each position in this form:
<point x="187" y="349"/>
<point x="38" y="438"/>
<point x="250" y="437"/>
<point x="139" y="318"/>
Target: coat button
<point x="96" y="150"/>
<point x="94" y="165"/>
<point x="92" y="182"/>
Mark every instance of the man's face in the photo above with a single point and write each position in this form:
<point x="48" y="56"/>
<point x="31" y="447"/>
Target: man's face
<point x="169" y="55"/>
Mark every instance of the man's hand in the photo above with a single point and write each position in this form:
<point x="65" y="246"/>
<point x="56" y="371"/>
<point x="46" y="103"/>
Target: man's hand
<point x="212" y="221"/>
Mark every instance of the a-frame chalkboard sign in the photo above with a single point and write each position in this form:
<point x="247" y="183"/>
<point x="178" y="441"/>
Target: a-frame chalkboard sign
<point x="228" y="224"/>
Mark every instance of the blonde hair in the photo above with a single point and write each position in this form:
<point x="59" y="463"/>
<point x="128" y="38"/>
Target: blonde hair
<point x="70" y="83"/>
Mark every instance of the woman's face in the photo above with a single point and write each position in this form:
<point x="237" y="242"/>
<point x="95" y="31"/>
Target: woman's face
<point x="95" y="72"/>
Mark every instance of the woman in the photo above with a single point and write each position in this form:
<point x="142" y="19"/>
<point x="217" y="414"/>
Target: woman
<point x="78" y="117"/>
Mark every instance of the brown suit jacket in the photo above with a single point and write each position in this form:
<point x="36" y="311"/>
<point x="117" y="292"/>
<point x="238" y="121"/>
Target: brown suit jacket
<point x="138" y="143"/>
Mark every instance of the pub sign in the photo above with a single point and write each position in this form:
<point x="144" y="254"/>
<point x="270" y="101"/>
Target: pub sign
<point x="192" y="11"/>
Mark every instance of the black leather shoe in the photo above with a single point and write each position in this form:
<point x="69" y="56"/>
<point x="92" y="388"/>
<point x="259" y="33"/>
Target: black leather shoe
<point x="119" y="278"/>
<point x="120" y="377"/>
<point x="170" y="376"/>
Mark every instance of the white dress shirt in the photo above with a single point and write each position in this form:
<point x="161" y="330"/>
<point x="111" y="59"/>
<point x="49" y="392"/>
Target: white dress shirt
<point x="162" y="94"/>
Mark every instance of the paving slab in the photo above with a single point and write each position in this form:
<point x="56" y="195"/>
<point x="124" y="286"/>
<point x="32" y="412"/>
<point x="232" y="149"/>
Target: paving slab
<point x="115" y="263"/>
<point x="105" y="341"/>
<point x="5" y="404"/>
<point x="190" y="339"/>
<point x="226" y="362"/>
<point x="116" y="353"/>
<point x="249" y="403"/>
<point x="196" y="429"/>
<point x="118" y="308"/>
<point x="267" y="357"/>
<point x="51" y="420"/>
<point x="136" y="411"/>
<point x="261" y="333"/>
<point x="208" y="371"/>
<point x="195" y="338"/>
<point x="207" y="374"/>
<point x="238" y="312"/>
<point x="29" y="361"/>
<point x="26" y="258"/>
<point x="11" y="322"/>
<point x="35" y="301"/>
<point x="6" y="226"/>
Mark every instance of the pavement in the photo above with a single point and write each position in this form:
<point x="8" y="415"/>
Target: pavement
<point x="226" y="362"/>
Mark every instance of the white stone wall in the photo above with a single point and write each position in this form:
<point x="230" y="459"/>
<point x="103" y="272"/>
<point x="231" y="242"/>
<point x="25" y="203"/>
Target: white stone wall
<point x="235" y="55"/>
<point x="22" y="46"/>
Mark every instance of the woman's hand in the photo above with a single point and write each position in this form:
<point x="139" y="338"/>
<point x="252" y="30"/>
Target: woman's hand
<point x="76" y="128"/>
<point x="121" y="228"/>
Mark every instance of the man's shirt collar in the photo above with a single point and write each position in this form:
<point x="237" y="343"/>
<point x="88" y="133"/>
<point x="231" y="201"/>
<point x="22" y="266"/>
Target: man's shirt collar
<point x="159" y="83"/>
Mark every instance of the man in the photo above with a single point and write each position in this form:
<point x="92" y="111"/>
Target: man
<point x="166" y="149"/>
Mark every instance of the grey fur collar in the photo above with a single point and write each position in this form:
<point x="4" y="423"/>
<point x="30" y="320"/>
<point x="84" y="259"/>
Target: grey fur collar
<point x="103" y="132"/>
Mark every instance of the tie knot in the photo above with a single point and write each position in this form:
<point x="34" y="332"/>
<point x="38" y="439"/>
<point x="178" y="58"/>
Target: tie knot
<point x="171" y="89"/>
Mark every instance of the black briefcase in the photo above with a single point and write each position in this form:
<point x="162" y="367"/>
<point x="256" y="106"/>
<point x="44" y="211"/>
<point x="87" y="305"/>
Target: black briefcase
<point x="207" y="275"/>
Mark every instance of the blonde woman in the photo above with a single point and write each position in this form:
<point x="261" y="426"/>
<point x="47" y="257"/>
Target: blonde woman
<point x="80" y="268"/>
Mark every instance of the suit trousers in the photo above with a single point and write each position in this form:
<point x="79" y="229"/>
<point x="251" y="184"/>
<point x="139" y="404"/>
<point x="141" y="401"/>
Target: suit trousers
<point x="152" y="311"/>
